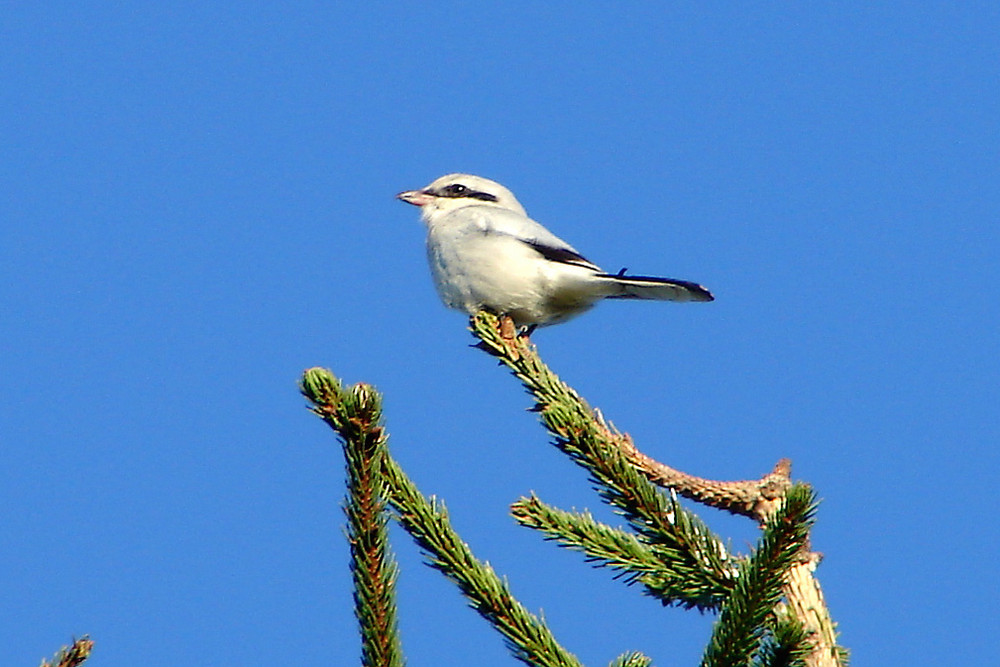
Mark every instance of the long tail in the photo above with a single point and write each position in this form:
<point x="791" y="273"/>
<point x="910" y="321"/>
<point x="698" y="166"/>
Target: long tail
<point x="658" y="289"/>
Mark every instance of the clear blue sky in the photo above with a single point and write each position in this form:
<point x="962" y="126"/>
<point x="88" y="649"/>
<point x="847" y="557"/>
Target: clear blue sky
<point x="197" y="204"/>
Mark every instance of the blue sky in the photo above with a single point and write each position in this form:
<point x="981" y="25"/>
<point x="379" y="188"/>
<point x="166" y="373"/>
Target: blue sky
<point x="197" y="204"/>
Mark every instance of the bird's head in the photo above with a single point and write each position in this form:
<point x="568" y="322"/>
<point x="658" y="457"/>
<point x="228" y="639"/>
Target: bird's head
<point x="455" y="191"/>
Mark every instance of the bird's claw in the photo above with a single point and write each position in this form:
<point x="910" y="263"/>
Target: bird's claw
<point x="509" y="335"/>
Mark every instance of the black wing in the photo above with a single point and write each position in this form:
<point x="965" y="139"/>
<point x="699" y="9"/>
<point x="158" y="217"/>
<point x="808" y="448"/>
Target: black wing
<point x="562" y="255"/>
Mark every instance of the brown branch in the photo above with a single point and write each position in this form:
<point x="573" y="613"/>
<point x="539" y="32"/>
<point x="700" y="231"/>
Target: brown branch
<point x="757" y="498"/>
<point x="804" y="601"/>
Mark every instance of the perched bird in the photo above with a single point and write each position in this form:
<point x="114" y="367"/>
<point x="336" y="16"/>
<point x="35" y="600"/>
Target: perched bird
<point x="486" y="253"/>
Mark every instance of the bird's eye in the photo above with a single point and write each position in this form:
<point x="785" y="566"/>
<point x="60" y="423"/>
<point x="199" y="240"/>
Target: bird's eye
<point x="456" y="190"/>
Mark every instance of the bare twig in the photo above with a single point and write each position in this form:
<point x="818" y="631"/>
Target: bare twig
<point x="753" y="498"/>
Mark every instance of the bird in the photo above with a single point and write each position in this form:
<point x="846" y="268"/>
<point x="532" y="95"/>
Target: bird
<point x="485" y="253"/>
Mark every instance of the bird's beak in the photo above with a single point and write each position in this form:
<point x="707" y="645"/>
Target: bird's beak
<point x="415" y="197"/>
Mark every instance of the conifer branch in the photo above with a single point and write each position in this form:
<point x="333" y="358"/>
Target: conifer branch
<point x="672" y="554"/>
<point x="685" y="545"/>
<point x="748" y="612"/>
<point x="669" y="573"/>
<point x="426" y="520"/>
<point x="355" y="413"/>
<point x="71" y="656"/>
<point x="576" y="427"/>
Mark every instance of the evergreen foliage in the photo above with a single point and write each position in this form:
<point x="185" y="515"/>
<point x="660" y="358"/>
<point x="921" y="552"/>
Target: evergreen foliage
<point x="669" y="552"/>
<point x="356" y="415"/>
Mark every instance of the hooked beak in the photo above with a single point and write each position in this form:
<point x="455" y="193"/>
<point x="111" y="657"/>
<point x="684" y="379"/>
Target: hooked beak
<point x="415" y="197"/>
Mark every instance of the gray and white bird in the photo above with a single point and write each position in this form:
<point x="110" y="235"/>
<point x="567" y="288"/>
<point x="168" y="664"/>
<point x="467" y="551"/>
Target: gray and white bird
<point x="486" y="253"/>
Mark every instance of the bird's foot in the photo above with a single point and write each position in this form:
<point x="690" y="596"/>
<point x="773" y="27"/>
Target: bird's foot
<point x="509" y="335"/>
<point x="507" y="329"/>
